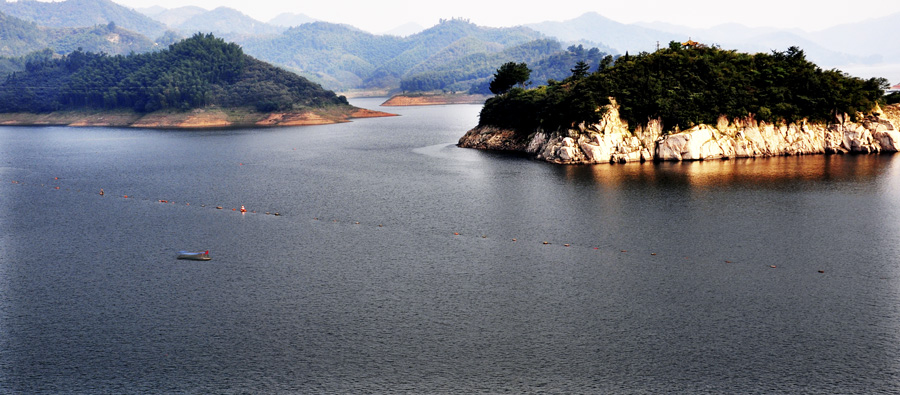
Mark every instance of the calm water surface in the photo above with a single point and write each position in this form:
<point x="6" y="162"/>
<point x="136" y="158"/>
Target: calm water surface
<point x="362" y="285"/>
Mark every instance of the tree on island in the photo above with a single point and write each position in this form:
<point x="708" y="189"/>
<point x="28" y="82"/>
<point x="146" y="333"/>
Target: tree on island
<point x="509" y="75"/>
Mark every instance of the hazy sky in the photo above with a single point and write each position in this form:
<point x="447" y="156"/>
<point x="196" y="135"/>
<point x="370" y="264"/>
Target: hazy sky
<point x="383" y="15"/>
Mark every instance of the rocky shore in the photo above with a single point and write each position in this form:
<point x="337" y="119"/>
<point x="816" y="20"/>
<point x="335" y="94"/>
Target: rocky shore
<point x="611" y="140"/>
<point x="206" y="118"/>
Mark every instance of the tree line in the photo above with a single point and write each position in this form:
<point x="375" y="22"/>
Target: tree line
<point x="688" y="85"/>
<point x="199" y="71"/>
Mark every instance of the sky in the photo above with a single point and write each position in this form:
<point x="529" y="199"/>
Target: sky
<point x="383" y="15"/>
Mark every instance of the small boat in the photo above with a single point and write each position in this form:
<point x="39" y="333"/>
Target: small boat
<point x="194" y="256"/>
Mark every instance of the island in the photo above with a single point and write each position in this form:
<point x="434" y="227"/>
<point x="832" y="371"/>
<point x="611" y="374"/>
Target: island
<point x="199" y="82"/>
<point x="690" y="102"/>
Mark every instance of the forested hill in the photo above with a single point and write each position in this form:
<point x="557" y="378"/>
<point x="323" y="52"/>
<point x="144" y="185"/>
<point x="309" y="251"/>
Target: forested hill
<point x="686" y="85"/>
<point x="81" y="13"/>
<point x="342" y="57"/>
<point x="19" y="38"/>
<point x="197" y="72"/>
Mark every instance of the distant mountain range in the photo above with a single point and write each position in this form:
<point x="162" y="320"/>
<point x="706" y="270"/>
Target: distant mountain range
<point x="82" y="13"/>
<point x="861" y="42"/>
<point x="19" y="37"/>
<point x="344" y="57"/>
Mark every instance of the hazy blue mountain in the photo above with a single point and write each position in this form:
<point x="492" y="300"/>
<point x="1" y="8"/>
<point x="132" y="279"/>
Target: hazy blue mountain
<point x="875" y="36"/>
<point x="82" y="13"/>
<point x="150" y="11"/>
<point x="343" y="57"/>
<point x="406" y="29"/>
<point x="288" y="19"/>
<point x="594" y="27"/>
<point x="824" y="48"/>
<point x="760" y="39"/>
<point x="19" y="37"/>
<point x="227" y="22"/>
<point x="175" y="16"/>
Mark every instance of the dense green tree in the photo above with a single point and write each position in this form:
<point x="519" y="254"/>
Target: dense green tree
<point x="508" y="75"/>
<point x="580" y="70"/>
<point x="686" y="86"/>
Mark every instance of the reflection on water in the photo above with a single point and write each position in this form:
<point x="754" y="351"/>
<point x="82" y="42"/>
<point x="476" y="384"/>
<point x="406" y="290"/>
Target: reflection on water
<point x="772" y="172"/>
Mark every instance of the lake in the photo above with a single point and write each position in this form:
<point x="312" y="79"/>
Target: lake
<point x="401" y="263"/>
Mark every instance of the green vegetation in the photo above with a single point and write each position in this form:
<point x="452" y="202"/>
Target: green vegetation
<point x="18" y="38"/>
<point x="474" y="73"/>
<point x="509" y="75"/>
<point x="80" y="13"/>
<point x="200" y="71"/>
<point x="892" y="98"/>
<point x="686" y="86"/>
<point x="454" y="55"/>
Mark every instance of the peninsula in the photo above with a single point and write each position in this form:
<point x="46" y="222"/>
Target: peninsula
<point x="691" y="102"/>
<point x="200" y="82"/>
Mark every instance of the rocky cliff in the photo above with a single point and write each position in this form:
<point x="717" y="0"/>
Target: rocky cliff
<point x="611" y="140"/>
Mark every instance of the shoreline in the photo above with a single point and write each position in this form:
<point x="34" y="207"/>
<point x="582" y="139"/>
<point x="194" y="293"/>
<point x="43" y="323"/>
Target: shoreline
<point x="197" y="119"/>
<point x="612" y="141"/>
<point x="433" y="100"/>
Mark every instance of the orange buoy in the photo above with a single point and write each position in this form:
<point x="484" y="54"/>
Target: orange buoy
<point x="456" y="233"/>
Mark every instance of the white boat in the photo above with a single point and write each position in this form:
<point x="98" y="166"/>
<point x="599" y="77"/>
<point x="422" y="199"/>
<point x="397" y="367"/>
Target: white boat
<point x="194" y="256"/>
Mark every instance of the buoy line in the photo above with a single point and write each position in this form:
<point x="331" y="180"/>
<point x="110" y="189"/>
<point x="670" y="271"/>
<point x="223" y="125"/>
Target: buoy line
<point x="102" y="193"/>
